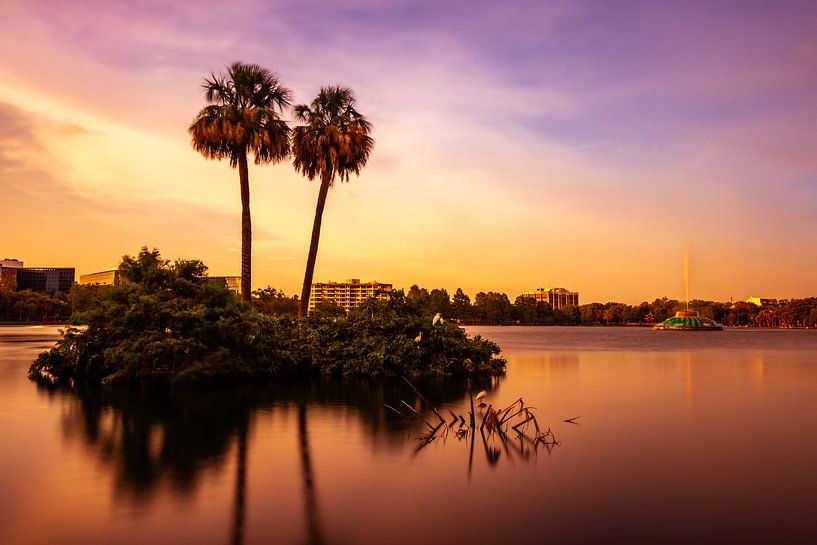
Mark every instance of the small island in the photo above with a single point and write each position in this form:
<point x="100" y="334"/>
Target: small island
<point x="166" y="320"/>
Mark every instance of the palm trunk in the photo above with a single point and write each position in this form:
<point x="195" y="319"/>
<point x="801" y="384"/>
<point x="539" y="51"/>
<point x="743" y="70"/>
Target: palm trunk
<point x="246" y="229"/>
<point x="303" y="304"/>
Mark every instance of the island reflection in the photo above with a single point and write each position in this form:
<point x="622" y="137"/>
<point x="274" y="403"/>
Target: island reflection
<point x="153" y="435"/>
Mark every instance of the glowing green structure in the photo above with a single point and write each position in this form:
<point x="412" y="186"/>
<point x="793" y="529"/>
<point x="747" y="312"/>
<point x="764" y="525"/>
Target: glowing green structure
<point x="688" y="320"/>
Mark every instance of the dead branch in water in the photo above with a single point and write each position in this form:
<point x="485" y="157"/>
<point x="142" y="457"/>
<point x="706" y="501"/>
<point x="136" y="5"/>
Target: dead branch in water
<point x="493" y="427"/>
<point x="416" y="391"/>
<point x="412" y="409"/>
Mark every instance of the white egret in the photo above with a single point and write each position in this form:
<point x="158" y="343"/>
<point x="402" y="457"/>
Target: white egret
<point x="438" y="319"/>
<point x="480" y="396"/>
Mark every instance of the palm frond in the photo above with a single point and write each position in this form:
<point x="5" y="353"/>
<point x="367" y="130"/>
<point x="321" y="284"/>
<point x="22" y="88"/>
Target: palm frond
<point x="243" y="115"/>
<point x="334" y="138"/>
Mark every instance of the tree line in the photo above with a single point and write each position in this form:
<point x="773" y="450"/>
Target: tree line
<point x="487" y="308"/>
<point x="33" y="306"/>
<point x="496" y="308"/>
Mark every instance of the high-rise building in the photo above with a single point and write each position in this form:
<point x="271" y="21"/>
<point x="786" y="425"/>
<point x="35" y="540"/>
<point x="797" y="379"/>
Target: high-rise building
<point x="349" y="294"/>
<point x="557" y="297"/>
<point x="45" y="279"/>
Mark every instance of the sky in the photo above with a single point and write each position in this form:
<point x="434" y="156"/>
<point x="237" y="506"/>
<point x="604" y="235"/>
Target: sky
<point x="518" y="145"/>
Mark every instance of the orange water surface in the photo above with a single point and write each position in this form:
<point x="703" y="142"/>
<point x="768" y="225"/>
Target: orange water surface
<point x="705" y="437"/>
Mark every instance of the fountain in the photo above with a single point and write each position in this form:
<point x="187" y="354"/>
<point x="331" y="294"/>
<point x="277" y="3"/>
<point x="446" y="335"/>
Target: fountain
<point x="687" y="320"/>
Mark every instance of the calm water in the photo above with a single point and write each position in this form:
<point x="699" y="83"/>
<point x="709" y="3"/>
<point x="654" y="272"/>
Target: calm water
<point x="683" y="438"/>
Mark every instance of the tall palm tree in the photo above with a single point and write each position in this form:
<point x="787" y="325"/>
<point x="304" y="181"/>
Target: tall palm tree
<point x="333" y="142"/>
<point x="243" y="116"/>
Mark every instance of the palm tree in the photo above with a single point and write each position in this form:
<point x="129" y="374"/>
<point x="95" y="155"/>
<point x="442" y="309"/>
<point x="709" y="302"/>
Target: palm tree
<point x="243" y="116"/>
<point x="333" y="142"/>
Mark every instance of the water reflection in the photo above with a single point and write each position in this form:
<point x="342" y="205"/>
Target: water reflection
<point x="497" y="429"/>
<point x="151" y="435"/>
<point x="689" y="381"/>
<point x="679" y="443"/>
<point x="313" y="522"/>
<point x="239" y="512"/>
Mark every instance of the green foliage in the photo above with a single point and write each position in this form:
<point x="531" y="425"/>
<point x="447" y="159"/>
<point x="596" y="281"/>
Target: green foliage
<point x="274" y="302"/>
<point x="461" y="306"/>
<point x="396" y="337"/>
<point x="84" y="297"/>
<point x="167" y="320"/>
<point x="329" y="309"/>
<point x="32" y="306"/>
<point x="493" y="308"/>
<point x="417" y="295"/>
<point x="439" y="301"/>
<point x="530" y="312"/>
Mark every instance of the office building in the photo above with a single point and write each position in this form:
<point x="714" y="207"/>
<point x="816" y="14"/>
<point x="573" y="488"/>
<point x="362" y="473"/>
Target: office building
<point x="349" y="294"/>
<point x="557" y="297"/>
<point x="104" y="278"/>
<point x="45" y="279"/>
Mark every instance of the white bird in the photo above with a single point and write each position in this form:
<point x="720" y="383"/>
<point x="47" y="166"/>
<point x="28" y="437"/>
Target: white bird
<point x="438" y="319"/>
<point x="483" y="394"/>
<point x="419" y="338"/>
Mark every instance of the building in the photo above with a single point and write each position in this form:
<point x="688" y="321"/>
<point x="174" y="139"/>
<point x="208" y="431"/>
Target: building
<point x="762" y="302"/>
<point x="8" y="273"/>
<point x="232" y="283"/>
<point x="349" y="294"/>
<point x="114" y="278"/>
<point x="15" y="277"/>
<point x="104" y="278"/>
<point x="557" y="297"/>
<point x="45" y="279"/>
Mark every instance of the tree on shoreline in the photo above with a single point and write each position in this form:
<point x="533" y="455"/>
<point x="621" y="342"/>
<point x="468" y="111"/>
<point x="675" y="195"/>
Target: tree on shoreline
<point x="274" y="302"/>
<point x="243" y="117"/>
<point x="333" y="142"/>
<point x="461" y="306"/>
<point x="27" y="306"/>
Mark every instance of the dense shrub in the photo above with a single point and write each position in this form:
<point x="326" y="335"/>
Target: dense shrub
<point x="166" y="320"/>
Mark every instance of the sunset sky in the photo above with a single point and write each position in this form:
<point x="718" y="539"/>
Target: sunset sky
<point x="519" y="145"/>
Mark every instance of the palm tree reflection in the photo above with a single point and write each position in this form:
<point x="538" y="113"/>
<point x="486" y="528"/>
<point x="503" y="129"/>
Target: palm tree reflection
<point x="313" y="523"/>
<point x="240" y="502"/>
<point x="151" y="437"/>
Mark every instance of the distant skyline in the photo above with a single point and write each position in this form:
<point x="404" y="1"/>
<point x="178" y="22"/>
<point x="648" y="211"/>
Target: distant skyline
<point x="518" y="144"/>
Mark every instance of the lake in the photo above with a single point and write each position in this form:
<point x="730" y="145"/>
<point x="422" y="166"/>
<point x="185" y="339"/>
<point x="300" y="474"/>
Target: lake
<point x="682" y="437"/>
